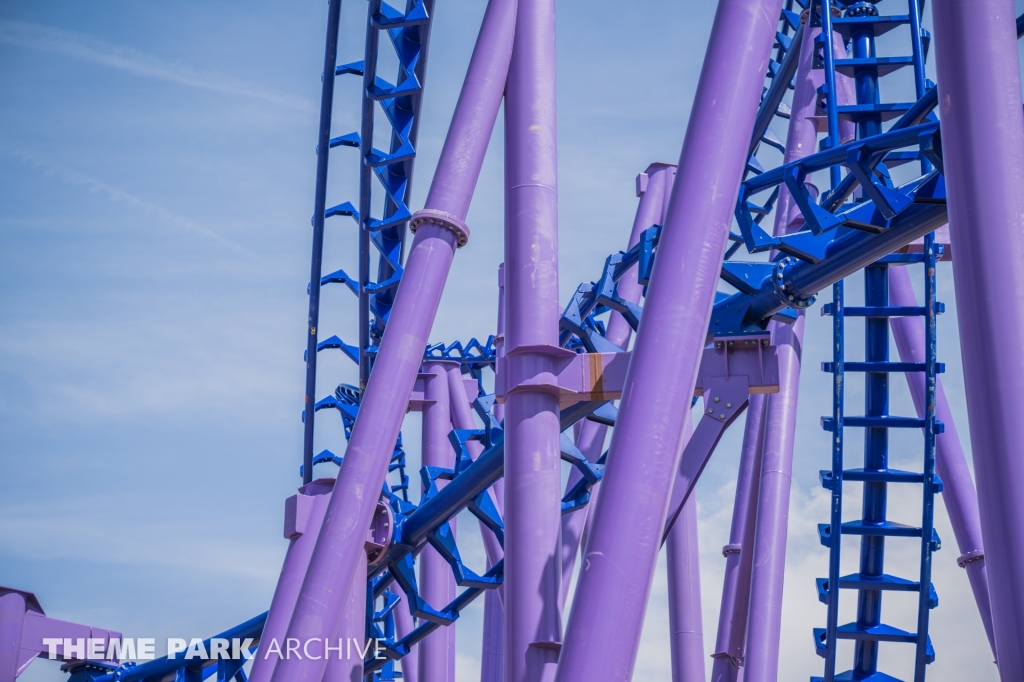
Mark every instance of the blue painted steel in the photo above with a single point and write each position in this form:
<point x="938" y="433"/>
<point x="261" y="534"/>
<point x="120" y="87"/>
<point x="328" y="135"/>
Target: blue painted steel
<point x="319" y="202"/>
<point x="862" y="24"/>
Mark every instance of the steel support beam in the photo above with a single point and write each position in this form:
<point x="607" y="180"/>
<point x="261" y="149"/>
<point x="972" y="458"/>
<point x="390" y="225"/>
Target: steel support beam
<point x="629" y="517"/>
<point x="686" y="629"/>
<point x="732" y="618"/>
<point x="653" y="187"/>
<point x="532" y="452"/>
<point x="436" y="581"/>
<point x="983" y="150"/>
<point x="440" y="229"/>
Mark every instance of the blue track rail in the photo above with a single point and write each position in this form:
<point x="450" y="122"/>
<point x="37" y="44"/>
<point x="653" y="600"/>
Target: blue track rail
<point x="859" y="25"/>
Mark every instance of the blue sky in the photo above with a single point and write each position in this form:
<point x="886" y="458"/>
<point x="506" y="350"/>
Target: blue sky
<point x="156" y="179"/>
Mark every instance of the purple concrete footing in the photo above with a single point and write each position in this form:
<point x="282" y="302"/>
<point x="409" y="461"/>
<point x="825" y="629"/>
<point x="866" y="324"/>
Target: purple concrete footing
<point x="629" y="518"/>
<point x="732" y="619"/>
<point x="958" y="494"/>
<point x="436" y="581"/>
<point x="532" y="452"/>
<point x="983" y="156"/>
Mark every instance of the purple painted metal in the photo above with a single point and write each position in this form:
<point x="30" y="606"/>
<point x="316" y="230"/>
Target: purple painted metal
<point x="761" y="657"/>
<point x="462" y="418"/>
<point x="958" y="493"/>
<point x="653" y="186"/>
<point x="492" y="657"/>
<point x="686" y="629"/>
<point x="604" y="627"/>
<point x="440" y="230"/>
<point x="403" y="626"/>
<point x="983" y="151"/>
<point x="436" y="581"/>
<point x="532" y="453"/>
<point x="24" y="625"/>
<point x="304" y="514"/>
<point x="761" y="660"/>
<point x="732" y="619"/>
<point x="347" y="664"/>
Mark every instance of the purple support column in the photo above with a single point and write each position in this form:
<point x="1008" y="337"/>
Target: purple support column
<point x="732" y="619"/>
<point x="12" y="618"/>
<point x="958" y="494"/>
<point x="436" y="582"/>
<point x="304" y="515"/>
<point x="761" y="659"/>
<point x="983" y="151"/>
<point x="532" y="454"/>
<point x="403" y="626"/>
<point x="492" y="656"/>
<point x="653" y="186"/>
<point x="629" y="518"/>
<point x="686" y="629"/>
<point x="347" y="664"/>
<point x="440" y="230"/>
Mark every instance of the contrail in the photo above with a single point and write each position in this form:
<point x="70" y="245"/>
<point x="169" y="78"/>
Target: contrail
<point x="73" y="177"/>
<point x="86" y="48"/>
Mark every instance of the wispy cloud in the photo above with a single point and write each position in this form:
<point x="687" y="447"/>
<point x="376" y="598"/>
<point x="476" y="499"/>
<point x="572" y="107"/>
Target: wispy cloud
<point x="73" y="177"/>
<point x="86" y="48"/>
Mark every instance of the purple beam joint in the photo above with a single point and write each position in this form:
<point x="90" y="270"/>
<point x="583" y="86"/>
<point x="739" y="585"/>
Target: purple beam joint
<point x="26" y="633"/>
<point x="573" y="377"/>
<point x="731" y="369"/>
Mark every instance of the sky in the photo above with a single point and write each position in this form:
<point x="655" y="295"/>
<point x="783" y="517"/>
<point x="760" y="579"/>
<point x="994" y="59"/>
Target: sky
<point x="156" y="180"/>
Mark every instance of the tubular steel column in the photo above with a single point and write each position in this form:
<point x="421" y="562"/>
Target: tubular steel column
<point x="440" y="230"/>
<point x="492" y="656"/>
<point x="761" y="657"/>
<point x="983" y="152"/>
<point x="958" y="493"/>
<point x="403" y="626"/>
<point x="732" y="619"/>
<point x="532" y="453"/>
<point x="653" y="186"/>
<point x="628" y="520"/>
<point x="296" y="561"/>
<point x="346" y="665"/>
<point x="436" y="581"/>
<point x="686" y="629"/>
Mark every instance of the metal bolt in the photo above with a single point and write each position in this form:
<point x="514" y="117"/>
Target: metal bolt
<point x="728" y="404"/>
<point x="710" y="411"/>
<point x="722" y="416"/>
<point x="717" y="398"/>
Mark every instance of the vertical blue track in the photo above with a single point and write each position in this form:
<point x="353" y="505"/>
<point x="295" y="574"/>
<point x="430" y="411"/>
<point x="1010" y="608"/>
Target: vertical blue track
<point x="860" y="25"/>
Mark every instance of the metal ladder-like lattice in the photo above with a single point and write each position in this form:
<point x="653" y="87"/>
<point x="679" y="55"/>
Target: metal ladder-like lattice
<point x="860" y="24"/>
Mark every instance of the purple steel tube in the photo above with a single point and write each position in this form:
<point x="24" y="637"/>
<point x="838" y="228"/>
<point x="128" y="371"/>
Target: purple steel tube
<point x="686" y="629"/>
<point x="983" y="151"/>
<point x="462" y="418"/>
<point x="958" y="494"/>
<point x="629" y="518"/>
<point x="436" y="582"/>
<point x="296" y="560"/>
<point x="732" y="619"/>
<point x="532" y="453"/>
<point x="761" y="659"/>
<point x="653" y="186"/>
<point x="441" y="230"/>
<point x="12" y="617"/>
<point x="346" y="665"/>
<point x="492" y="657"/>
<point x="403" y="626"/>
